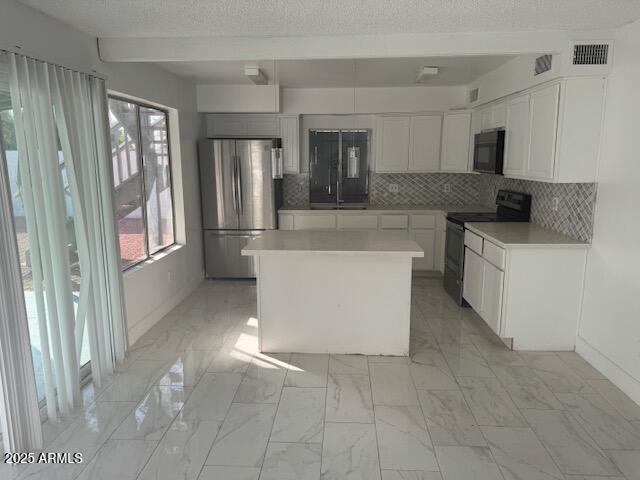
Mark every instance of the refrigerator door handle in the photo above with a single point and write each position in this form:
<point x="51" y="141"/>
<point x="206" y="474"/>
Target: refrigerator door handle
<point x="239" y="184"/>
<point x="234" y="184"/>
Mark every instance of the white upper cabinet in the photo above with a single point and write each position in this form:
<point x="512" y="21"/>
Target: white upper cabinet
<point x="393" y="144"/>
<point x="241" y="125"/>
<point x="516" y="151"/>
<point x="544" y="117"/>
<point x="289" y="132"/>
<point x="493" y="116"/>
<point x="426" y="131"/>
<point x="553" y="132"/>
<point x="455" y="142"/>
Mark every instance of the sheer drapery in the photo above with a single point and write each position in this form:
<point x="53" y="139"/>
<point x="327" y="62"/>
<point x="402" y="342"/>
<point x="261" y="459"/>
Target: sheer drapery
<point x="62" y="113"/>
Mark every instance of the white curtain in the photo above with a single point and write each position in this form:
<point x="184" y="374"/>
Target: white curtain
<point x="56" y="109"/>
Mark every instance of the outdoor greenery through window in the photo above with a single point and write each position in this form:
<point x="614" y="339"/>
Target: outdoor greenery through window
<point x="141" y="179"/>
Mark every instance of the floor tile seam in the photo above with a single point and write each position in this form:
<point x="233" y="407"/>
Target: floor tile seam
<point x="221" y="423"/>
<point x="273" y="421"/>
<point x="164" y="434"/>
<point x="426" y="424"/>
<point x="594" y="443"/>
<point x="375" y="423"/>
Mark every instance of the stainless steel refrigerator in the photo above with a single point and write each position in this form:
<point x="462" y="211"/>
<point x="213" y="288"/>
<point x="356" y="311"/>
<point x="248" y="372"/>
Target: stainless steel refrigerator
<point x="240" y="199"/>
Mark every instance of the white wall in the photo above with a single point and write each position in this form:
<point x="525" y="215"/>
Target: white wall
<point x="148" y="293"/>
<point x="371" y="100"/>
<point x="510" y="77"/>
<point x="609" y="332"/>
<point x="238" y="98"/>
<point x="269" y="98"/>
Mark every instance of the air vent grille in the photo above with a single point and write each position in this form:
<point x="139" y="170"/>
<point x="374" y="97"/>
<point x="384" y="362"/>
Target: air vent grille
<point x="543" y="64"/>
<point x="590" y="54"/>
<point x="473" y="95"/>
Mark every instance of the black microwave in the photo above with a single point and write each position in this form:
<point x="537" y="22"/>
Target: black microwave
<point x="488" y="152"/>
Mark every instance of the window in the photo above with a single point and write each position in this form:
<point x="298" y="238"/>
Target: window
<point x="141" y="179"/>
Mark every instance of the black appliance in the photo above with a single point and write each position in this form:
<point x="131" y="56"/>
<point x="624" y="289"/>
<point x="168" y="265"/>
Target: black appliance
<point x="512" y="207"/>
<point x="488" y="152"/>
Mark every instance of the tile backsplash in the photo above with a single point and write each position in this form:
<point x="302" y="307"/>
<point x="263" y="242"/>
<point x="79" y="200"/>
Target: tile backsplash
<point x="576" y="203"/>
<point x="296" y="190"/>
<point x="423" y="189"/>
<point x="574" y="216"/>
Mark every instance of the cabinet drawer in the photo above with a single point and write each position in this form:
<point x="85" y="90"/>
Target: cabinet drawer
<point x="285" y="222"/>
<point x="314" y="222"/>
<point x="423" y="221"/>
<point x="473" y="241"/>
<point x="357" y="222"/>
<point x="494" y="254"/>
<point x="394" y="221"/>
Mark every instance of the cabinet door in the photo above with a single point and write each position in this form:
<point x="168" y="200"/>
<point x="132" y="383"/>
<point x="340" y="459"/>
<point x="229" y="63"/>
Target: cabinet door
<point x="544" y="119"/>
<point x="262" y="126"/>
<point x="393" y="144"/>
<point x="290" y="139"/>
<point x="472" y="283"/>
<point x="438" y="258"/>
<point x="285" y="221"/>
<point x="491" y="309"/>
<point x="486" y="118"/>
<point x="498" y="115"/>
<point x="426" y="239"/>
<point x="315" y="222"/>
<point x="455" y="142"/>
<point x="228" y="126"/>
<point x="426" y="133"/>
<point x="517" y="136"/>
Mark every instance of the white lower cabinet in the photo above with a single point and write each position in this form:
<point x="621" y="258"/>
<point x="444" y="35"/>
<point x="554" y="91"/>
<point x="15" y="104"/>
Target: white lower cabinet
<point x="492" y="285"/>
<point x="427" y="228"/>
<point x="483" y="282"/>
<point x="533" y="302"/>
<point x="426" y="239"/>
<point x="472" y="286"/>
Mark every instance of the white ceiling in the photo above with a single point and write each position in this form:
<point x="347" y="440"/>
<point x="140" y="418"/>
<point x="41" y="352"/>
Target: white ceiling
<point x="206" y="18"/>
<point x="375" y="72"/>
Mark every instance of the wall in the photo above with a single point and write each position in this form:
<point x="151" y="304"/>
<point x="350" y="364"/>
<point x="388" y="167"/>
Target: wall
<point x="371" y="100"/>
<point x="148" y="292"/>
<point x="609" y="332"/>
<point x="270" y="98"/>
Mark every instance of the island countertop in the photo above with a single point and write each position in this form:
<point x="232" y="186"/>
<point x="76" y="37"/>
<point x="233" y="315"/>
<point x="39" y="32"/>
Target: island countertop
<point x="523" y="235"/>
<point x="281" y="242"/>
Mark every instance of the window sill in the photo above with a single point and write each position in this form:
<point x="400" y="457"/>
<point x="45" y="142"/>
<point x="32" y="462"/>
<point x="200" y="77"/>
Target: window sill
<point x="154" y="259"/>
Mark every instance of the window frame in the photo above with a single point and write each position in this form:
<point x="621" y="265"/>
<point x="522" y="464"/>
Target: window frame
<point x="148" y="255"/>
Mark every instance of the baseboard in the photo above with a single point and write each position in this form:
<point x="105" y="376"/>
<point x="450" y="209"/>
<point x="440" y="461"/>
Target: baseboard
<point x="609" y="369"/>
<point x="143" y="325"/>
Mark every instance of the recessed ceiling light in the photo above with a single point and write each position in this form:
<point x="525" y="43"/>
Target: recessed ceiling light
<point x="425" y="73"/>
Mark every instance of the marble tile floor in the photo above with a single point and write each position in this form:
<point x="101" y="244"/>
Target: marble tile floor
<point x="195" y="400"/>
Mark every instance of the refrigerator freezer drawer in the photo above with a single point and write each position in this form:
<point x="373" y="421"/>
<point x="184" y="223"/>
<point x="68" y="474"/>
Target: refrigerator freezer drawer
<point x="222" y="253"/>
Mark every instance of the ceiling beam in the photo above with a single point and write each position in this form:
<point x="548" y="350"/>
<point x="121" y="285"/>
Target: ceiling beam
<point x="168" y="49"/>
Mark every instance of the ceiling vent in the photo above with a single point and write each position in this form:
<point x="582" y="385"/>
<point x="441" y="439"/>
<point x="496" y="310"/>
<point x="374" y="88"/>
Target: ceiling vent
<point x="543" y="64"/>
<point x="591" y="54"/>
<point x="473" y="95"/>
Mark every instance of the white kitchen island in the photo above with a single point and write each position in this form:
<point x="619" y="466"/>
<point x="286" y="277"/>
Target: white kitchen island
<point x="334" y="291"/>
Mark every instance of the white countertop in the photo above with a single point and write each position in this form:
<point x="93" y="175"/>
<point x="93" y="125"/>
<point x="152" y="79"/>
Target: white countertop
<point x="398" y="244"/>
<point x="392" y="209"/>
<point x="523" y="235"/>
